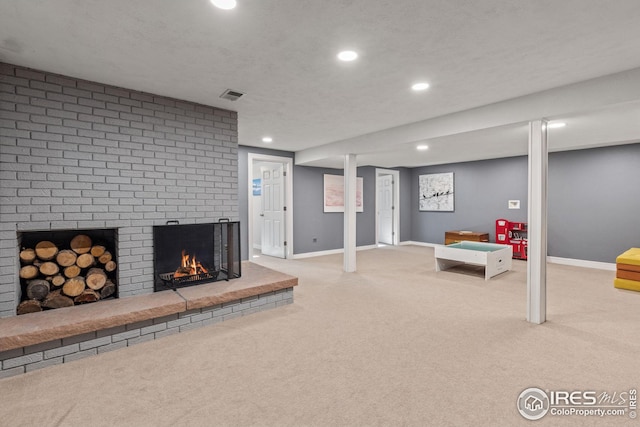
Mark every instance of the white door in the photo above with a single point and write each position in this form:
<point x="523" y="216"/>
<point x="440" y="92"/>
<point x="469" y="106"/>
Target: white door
<point x="385" y="209"/>
<point x="273" y="227"/>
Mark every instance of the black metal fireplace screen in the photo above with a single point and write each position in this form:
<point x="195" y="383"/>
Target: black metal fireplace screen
<point x="186" y="255"/>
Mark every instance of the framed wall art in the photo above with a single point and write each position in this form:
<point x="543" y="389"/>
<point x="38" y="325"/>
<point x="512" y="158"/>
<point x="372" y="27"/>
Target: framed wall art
<point x="334" y="193"/>
<point x="436" y="192"/>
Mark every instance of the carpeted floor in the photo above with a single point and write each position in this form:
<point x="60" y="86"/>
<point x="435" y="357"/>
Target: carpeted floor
<point x="395" y="344"/>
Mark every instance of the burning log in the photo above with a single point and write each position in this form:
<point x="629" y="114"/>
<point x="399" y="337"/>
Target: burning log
<point x="29" y="306"/>
<point x="46" y="250"/>
<point x="55" y="299"/>
<point x="81" y="244"/>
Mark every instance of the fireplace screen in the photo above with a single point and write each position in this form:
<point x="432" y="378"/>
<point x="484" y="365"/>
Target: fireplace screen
<point x="186" y="255"/>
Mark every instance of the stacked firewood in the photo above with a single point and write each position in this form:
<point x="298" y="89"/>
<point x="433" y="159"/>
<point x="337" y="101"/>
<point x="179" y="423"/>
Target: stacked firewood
<point x="55" y="277"/>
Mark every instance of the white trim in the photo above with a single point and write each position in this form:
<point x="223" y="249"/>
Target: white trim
<point x="331" y="252"/>
<point x="582" y="263"/>
<point x="396" y="202"/>
<point x="288" y="166"/>
<point x="414" y="243"/>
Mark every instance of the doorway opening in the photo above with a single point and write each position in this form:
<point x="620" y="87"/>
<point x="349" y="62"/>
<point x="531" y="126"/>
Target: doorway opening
<point x="270" y="225"/>
<point x="387" y="207"/>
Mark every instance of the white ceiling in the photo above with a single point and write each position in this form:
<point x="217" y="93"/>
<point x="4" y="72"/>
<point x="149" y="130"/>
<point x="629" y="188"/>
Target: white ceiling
<point x="475" y="54"/>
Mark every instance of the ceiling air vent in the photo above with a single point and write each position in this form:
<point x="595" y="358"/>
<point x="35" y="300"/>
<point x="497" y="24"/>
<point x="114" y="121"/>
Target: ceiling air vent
<point x="231" y="95"/>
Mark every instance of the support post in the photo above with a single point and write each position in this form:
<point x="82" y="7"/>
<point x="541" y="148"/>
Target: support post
<point x="350" y="213"/>
<point x="537" y="223"/>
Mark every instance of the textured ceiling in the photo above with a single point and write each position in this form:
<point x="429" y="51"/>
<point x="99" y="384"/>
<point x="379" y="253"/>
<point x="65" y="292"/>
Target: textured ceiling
<point x="281" y="53"/>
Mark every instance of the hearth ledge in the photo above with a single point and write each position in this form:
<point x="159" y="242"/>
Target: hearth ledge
<point x="36" y="328"/>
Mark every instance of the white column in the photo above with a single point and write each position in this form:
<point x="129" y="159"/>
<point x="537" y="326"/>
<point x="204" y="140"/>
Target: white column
<point x="350" y="213"/>
<point x="537" y="223"/>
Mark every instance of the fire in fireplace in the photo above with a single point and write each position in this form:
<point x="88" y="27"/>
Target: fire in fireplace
<point x="186" y="255"/>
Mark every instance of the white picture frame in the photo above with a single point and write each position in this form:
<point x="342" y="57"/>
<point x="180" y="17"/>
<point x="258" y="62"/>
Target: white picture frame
<point x="334" y="193"/>
<point x="436" y="192"/>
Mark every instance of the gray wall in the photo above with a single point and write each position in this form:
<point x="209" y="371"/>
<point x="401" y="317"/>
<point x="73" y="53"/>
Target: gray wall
<point x="310" y="220"/>
<point x="481" y="195"/>
<point x="594" y="202"/>
<point x="78" y="154"/>
<point x="406" y="196"/>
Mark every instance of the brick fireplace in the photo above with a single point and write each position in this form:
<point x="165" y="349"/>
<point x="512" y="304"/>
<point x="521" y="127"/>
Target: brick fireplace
<point x="83" y="155"/>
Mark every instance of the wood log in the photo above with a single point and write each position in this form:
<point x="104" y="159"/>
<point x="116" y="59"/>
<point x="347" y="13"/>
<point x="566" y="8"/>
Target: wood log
<point x="29" y="306"/>
<point x="108" y="289"/>
<point x="49" y="268"/>
<point x="58" y="280"/>
<point x="27" y="256"/>
<point x="81" y="244"/>
<point x="85" y="260"/>
<point x="110" y="266"/>
<point x="66" y="258"/>
<point x="55" y="299"/>
<point x="74" y="286"/>
<point x="97" y="250"/>
<point x="95" y="278"/>
<point x="105" y="257"/>
<point x="71" y="271"/>
<point x="37" y="289"/>
<point x="46" y="250"/>
<point x="29" y="272"/>
<point x="88" y="295"/>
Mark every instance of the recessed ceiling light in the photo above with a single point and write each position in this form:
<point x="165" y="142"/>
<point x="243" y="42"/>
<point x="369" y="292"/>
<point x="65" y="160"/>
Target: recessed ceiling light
<point x="267" y="139"/>
<point x="420" y="86"/>
<point x="224" y="4"/>
<point x="347" y="55"/>
<point x="556" y="125"/>
<point x="422" y="147"/>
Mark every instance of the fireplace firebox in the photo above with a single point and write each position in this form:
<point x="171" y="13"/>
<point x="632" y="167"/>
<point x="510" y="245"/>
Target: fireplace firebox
<point x="190" y="254"/>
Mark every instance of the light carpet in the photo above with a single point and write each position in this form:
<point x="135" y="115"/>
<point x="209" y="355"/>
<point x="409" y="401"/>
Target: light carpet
<point x="395" y="344"/>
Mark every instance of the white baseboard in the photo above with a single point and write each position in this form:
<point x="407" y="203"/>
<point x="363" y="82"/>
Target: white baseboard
<point x="330" y="252"/>
<point x="582" y="263"/>
<point x="411" y="242"/>
<point x="257" y="246"/>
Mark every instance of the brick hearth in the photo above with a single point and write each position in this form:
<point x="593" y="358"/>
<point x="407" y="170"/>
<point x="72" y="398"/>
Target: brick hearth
<point x="37" y="340"/>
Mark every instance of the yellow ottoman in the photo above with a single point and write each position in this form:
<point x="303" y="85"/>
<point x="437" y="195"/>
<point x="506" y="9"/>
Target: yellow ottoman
<point x="631" y="285"/>
<point x="628" y="270"/>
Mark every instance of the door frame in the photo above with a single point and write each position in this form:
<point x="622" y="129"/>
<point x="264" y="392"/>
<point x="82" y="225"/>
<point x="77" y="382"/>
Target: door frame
<point x="287" y="162"/>
<point x="396" y="202"/>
